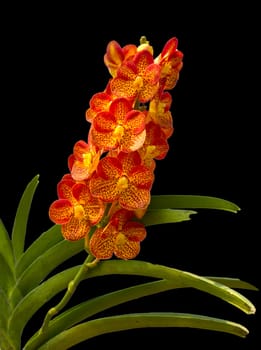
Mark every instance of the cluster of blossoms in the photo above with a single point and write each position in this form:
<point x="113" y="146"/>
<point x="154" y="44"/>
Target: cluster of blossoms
<point x="108" y="187"/>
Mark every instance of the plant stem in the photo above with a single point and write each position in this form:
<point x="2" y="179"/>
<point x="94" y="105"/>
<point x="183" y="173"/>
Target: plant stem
<point x="89" y="262"/>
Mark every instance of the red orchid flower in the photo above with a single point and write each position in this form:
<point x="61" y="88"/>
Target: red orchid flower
<point x="120" y="127"/>
<point x="120" y="237"/>
<point x="76" y="210"/>
<point x="155" y="145"/>
<point x="84" y="160"/>
<point x="124" y="179"/>
<point x="99" y="102"/>
<point x="159" y="112"/>
<point x="170" y="60"/>
<point x="115" y="55"/>
<point x="137" y="78"/>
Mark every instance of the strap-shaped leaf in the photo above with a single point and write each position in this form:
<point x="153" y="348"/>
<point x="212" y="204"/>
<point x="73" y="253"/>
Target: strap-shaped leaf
<point x="43" y="243"/>
<point x="21" y="218"/>
<point x="7" y="280"/>
<point x="166" y="216"/>
<point x="143" y="268"/>
<point x="90" y="329"/>
<point x="46" y="263"/>
<point x="192" y="202"/>
<point x="6" y="249"/>
<point x="5" y="310"/>
<point x="34" y="300"/>
<point x="5" y="341"/>
<point x="84" y="310"/>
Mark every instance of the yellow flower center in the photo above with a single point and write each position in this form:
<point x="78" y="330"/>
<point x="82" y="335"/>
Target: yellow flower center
<point x="166" y="69"/>
<point x="78" y="211"/>
<point x="122" y="183"/>
<point x="138" y="83"/>
<point x="120" y="240"/>
<point x="150" y="151"/>
<point x="118" y="132"/>
<point x="87" y="159"/>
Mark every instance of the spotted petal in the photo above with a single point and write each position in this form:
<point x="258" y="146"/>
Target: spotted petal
<point x="75" y="229"/>
<point x="101" y="244"/>
<point x="61" y="211"/>
<point x="134" y="198"/>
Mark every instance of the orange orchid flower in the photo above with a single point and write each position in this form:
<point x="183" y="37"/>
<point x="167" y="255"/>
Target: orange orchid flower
<point x="84" y="160"/>
<point x="124" y="179"/>
<point x="76" y="210"/>
<point x="170" y="60"/>
<point x="121" y="127"/>
<point x="159" y="112"/>
<point x="155" y="145"/>
<point x="120" y="237"/>
<point x="115" y="55"/>
<point x="99" y="102"/>
<point x="137" y="78"/>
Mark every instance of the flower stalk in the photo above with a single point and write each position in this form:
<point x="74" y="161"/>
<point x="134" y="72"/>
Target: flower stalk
<point x="89" y="263"/>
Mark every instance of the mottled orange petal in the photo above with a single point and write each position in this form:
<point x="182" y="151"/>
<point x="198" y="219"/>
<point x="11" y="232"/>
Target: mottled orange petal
<point x="101" y="244"/>
<point x="80" y="148"/>
<point x="142" y="60"/>
<point x="147" y="92"/>
<point x="119" y="108"/>
<point x="152" y="74"/>
<point x="64" y="188"/>
<point x="98" y="103"/>
<point x="109" y="168"/>
<point x="132" y="142"/>
<point x="124" y="248"/>
<point x="80" y="171"/>
<point x="127" y="71"/>
<point x="129" y="161"/>
<point x="61" y="211"/>
<point x="75" y="229"/>
<point x="135" y="120"/>
<point x="133" y="198"/>
<point x="106" y="190"/>
<point x="155" y="145"/>
<point x="124" y="88"/>
<point x="103" y="140"/>
<point x="104" y="122"/>
<point x="171" y="79"/>
<point x="134" y="231"/>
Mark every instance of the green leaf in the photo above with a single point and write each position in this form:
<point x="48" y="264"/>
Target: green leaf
<point x="7" y="280"/>
<point x="91" y="307"/>
<point x="90" y="329"/>
<point x="6" y="249"/>
<point x="5" y="342"/>
<point x="44" y="242"/>
<point x="191" y="202"/>
<point x="234" y="283"/>
<point x="47" y="262"/>
<point x="37" y="297"/>
<point x="5" y="309"/>
<point x="165" y="216"/>
<point x="188" y="279"/>
<point x="84" y="310"/>
<point x="21" y="218"/>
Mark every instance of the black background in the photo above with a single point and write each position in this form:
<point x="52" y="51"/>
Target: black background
<point x="52" y="63"/>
